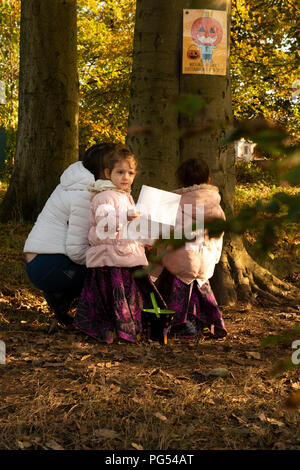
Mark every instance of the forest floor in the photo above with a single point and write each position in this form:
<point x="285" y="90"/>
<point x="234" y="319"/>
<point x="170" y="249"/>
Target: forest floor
<point x="66" y="391"/>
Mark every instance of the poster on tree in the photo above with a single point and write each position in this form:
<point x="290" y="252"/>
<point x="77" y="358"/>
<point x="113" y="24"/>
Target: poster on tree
<point x="204" y="42"/>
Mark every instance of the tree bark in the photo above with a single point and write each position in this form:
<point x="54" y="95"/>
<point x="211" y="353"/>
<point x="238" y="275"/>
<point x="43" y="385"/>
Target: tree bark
<point x="153" y="121"/>
<point x="162" y="137"/>
<point x="47" y="139"/>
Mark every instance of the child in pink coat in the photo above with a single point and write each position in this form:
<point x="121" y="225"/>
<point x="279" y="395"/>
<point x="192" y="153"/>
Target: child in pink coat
<point x="112" y="300"/>
<point x="184" y="281"/>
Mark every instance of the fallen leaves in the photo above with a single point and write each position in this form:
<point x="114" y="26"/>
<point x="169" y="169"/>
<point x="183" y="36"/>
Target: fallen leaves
<point x="239" y="419"/>
<point x="87" y="356"/>
<point x="77" y="393"/>
<point x="54" y="364"/>
<point x="107" y="365"/>
<point x="137" y="446"/>
<point x="106" y="434"/>
<point x="275" y="422"/>
<point x="253" y="355"/>
<point x="138" y="401"/>
<point x="53" y="445"/>
<point x="160" y="416"/>
<point x="219" y="372"/>
<point x="293" y="401"/>
<point x="24" y="444"/>
<point x="27" y="442"/>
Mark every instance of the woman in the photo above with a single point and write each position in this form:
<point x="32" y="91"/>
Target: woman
<point x="56" y="246"/>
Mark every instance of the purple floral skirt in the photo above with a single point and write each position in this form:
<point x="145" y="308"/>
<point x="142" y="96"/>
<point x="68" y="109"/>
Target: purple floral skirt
<point x="112" y="301"/>
<point x="191" y="302"/>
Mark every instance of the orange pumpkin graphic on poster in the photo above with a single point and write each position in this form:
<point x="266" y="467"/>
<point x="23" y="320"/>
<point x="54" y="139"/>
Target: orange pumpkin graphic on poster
<point x="206" y="33"/>
<point x="193" y="52"/>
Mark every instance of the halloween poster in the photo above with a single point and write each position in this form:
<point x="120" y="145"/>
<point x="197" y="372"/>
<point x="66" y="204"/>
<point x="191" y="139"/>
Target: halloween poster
<point x="204" y="42"/>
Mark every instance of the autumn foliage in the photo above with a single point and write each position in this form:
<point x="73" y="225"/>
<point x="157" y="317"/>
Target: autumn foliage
<point x="264" y="58"/>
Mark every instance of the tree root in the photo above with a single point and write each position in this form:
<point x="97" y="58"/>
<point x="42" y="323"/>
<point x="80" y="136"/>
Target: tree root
<point x="238" y="278"/>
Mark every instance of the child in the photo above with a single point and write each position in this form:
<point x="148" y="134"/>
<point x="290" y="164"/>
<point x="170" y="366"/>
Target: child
<point x="184" y="281"/>
<point x="112" y="299"/>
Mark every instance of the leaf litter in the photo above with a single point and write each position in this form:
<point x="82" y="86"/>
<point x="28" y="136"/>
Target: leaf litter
<point x="66" y="391"/>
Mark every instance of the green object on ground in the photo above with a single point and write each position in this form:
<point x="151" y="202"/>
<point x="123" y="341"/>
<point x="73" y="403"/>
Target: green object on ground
<point x="158" y="311"/>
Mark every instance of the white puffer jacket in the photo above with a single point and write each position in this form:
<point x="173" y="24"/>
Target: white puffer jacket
<point x="63" y="225"/>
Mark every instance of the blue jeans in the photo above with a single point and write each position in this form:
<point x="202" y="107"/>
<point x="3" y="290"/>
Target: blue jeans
<point x="56" y="273"/>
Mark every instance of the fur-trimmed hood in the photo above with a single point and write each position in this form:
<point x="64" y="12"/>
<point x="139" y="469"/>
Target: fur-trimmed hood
<point x="202" y="194"/>
<point x="188" y="189"/>
<point x="103" y="185"/>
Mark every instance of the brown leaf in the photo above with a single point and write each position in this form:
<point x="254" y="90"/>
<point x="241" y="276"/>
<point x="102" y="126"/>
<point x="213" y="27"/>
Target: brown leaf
<point x="85" y="357"/>
<point x="240" y="420"/>
<point x="154" y="371"/>
<point x="219" y="372"/>
<point x="295" y="385"/>
<point x="91" y="388"/>
<point x="279" y="446"/>
<point x="253" y="355"/>
<point x="293" y="401"/>
<point x="262" y="416"/>
<point x="275" y="422"/>
<point x="137" y="446"/>
<point x="160" y="416"/>
<point x="137" y="400"/>
<point x="24" y="444"/>
<point x="53" y="445"/>
<point x="102" y="349"/>
<point x="106" y="434"/>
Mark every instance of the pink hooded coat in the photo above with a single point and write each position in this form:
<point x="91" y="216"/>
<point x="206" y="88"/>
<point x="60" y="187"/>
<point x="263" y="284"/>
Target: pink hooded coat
<point x="109" y="208"/>
<point x="198" y="262"/>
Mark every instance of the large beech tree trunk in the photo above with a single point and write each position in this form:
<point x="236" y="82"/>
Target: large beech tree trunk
<point x="162" y="137"/>
<point x="153" y="120"/>
<point x="47" y="139"/>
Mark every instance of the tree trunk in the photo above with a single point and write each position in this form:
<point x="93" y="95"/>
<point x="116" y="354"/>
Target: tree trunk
<point x="153" y="121"/>
<point x="47" y="139"/>
<point x="162" y="137"/>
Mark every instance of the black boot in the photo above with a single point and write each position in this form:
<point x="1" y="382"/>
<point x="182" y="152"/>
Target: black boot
<point x="60" y="303"/>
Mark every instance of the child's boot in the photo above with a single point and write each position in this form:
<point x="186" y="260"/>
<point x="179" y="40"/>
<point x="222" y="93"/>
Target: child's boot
<point x="60" y="303"/>
<point x="185" y="330"/>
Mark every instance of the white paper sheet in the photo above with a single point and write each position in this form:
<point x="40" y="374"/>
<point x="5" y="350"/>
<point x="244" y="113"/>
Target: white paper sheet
<point x="159" y="205"/>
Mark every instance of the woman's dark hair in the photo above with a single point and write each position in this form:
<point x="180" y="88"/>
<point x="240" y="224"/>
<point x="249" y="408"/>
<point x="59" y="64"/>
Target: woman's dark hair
<point x="101" y="156"/>
<point x="192" y="171"/>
